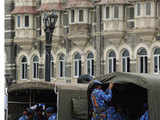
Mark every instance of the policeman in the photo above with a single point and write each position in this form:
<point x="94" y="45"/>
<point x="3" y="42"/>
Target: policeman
<point x="24" y="116"/>
<point x="30" y="114"/>
<point x="51" y="113"/>
<point x="98" y="98"/>
<point x="38" y="113"/>
<point x="27" y="115"/>
<point x="112" y="114"/>
<point x="145" y="116"/>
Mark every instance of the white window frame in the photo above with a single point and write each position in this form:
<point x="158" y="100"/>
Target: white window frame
<point x="63" y="72"/>
<point x="143" y="56"/>
<point x="112" y="60"/>
<point x="36" y="63"/>
<point x="150" y="8"/>
<point x="90" y="67"/>
<point x="78" y="67"/>
<point x="79" y="15"/>
<point x="25" y="65"/>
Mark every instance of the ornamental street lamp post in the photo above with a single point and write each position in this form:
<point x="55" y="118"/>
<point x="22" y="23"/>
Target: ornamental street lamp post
<point x="49" y="20"/>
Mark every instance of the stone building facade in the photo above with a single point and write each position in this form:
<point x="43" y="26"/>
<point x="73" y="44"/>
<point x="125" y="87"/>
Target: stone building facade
<point x="91" y="37"/>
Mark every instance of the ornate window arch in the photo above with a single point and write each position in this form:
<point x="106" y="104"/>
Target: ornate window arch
<point x="125" y="61"/>
<point x="157" y="60"/>
<point x="143" y="60"/>
<point x="111" y="62"/>
<point x="77" y="65"/>
<point x="61" y="65"/>
<point x="35" y="67"/>
<point x="90" y="64"/>
<point x="24" y="66"/>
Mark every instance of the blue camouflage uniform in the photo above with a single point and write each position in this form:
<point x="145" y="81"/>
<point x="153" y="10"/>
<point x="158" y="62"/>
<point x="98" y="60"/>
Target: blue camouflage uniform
<point x="24" y="117"/>
<point x="53" y="117"/>
<point x="113" y="115"/>
<point x="145" y="116"/>
<point x="101" y="97"/>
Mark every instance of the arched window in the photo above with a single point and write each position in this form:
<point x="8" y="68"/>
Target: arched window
<point x="143" y="60"/>
<point x="125" y="61"/>
<point x="77" y="65"/>
<point x="90" y="64"/>
<point x="24" y="68"/>
<point x="35" y="66"/>
<point x="157" y="60"/>
<point x="52" y="67"/>
<point x="61" y="66"/>
<point x="112" y="62"/>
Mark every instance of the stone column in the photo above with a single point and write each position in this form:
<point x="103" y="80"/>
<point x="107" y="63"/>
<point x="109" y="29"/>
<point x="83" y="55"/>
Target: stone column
<point x="10" y="47"/>
<point x="99" y="42"/>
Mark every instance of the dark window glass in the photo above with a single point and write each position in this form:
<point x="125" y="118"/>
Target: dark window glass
<point x="159" y="64"/>
<point x="158" y="10"/>
<point x="61" y="68"/>
<point x="156" y="64"/>
<point x="18" y="21"/>
<point x="138" y="9"/>
<point x="146" y="64"/>
<point x="38" y="26"/>
<point x="24" y="68"/>
<point x="116" y="11"/>
<point x="77" y="59"/>
<point x="35" y="70"/>
<point x="88" y="66"/>
<point x="148" y="8"/>
<point x="23" y="71"/>
<point x="157" y="51"/>
<point x="128" y="64"/>
<point x="112" y="54"/>
<point x="80" y="15"/>
<point x="72" y="16"/>
<point x="124" y="65"/>
<point x="110" y="65"/>
<point x="142" y="51"/>
<point x="141" y="64"/>
<point x="26" y="21"/>
<point x="65" y="19"/>
<point x="35" y="67"/>
<point x="107" y="12"/>
<point x="92" y="67"/>
<point x="25" y="75"/>
<point x="52" y="67"/>
<point x="77" y="56"/>
<point x="125" y="61"/>
<point x="131" y="13"/>
<point x="114" y="65"/>
<point x="76" y="66"/>
<point x="79" y="67"/>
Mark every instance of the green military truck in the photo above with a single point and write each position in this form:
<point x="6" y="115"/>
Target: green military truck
<point x="130" y="92"/>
